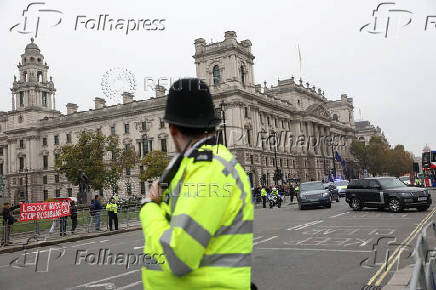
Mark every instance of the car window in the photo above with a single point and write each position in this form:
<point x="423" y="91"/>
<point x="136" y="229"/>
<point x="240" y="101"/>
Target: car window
<point x="373" y="184"/>
<point x="391" y="183"/>
<point x="355" y="184"/>
<point x="311" y="186"/>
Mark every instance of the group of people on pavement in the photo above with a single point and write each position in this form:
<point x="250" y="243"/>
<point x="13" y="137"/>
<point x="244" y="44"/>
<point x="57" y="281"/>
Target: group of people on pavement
<point x="264" y="192"/>
<point x="95" y="209"/>
<point x="112" y="210"/>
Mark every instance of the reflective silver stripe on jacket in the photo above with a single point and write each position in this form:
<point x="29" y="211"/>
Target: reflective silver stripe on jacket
<point x="190" y="226"/>
<point x="176" y="265"/>
<point x="226" y="260"/>
<point x="239" y="225"/>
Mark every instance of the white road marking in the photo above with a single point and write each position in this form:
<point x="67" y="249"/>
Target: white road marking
<point x="333" y="216"/>
<point x="263" y="241"/>
<point x="320" y="250"/>
<point x="256" y="238"/>
<point x="130" y="285"/>
<point x="104" y="241"/>
<point x="137" y="248"/>
<point x="108" y="285"/>
<point x="300" y="227"/>
<point x="79" y="245"/>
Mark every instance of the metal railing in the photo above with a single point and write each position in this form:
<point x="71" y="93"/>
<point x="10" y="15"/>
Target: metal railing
<point x="424" y="271"/>
<point x="21" y="233"/>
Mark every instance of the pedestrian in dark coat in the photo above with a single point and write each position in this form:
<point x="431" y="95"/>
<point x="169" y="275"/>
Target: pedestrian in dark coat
<point x="73" y="211"/>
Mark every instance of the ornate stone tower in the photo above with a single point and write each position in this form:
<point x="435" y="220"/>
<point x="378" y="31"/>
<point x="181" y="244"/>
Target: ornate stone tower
<point x="225" y="64"/>
<point x="33" y="91"/>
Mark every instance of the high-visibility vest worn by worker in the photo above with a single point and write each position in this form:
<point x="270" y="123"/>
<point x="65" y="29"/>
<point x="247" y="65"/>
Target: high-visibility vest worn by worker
<point x="263" y="192"/>
<point x="201" y="234"/>
<point x="112" y="207"/>
<point x="276" y="192"/>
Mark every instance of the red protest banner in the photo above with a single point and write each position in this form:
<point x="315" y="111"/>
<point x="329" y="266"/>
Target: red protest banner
<point x="43" y="210"/>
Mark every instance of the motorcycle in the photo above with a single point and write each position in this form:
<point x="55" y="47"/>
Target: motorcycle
<point x="275" y="200"/>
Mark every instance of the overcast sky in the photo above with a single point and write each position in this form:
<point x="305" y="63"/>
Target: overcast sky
<point x="392" y="80"/>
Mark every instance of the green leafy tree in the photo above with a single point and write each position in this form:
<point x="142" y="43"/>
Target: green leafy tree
<point x="120" y="160"/>
<point x="88" y="155"/>
<point x="154" y="163"/>
<point x="378" y="156"/>
<point x="360" y="152"/>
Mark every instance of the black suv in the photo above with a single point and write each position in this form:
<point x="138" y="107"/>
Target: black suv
<point x="386" y="192"/>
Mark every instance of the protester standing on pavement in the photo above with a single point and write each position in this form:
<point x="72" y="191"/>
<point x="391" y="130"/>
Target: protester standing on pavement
<point x="112" y="210"/>
<point x="73" y="212"/>
<point x="263" y="194"/>
<point x="8" y="221"/>
<point x="63" y="226"/>
<point x="204" y="241"/>
<point x="97" y="210"/>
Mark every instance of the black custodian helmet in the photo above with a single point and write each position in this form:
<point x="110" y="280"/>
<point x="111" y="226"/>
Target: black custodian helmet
<point x="189" y="104"/>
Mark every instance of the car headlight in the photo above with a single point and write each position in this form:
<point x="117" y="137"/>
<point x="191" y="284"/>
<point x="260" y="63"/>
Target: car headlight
<point x="406" y="194"/>
<point x="425" y="192"/>
<point x="325" y="194"/>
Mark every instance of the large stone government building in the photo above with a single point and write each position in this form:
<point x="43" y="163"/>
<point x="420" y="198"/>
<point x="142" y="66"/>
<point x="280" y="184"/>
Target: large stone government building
<point x="307" y="127"/>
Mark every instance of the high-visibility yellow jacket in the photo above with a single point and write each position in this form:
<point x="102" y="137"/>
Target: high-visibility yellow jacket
<point x="276" y="192"/>
<point x="201" y="235"/>
<point x="263" y="192"/>
<point x="112" y="207"/>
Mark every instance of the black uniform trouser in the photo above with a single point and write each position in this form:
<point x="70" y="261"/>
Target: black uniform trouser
<point x="73" y="223"/>
<point x="264" y="201"/>
<point x="113" y="217"/>
<point x="292" y="196"/>
<point x="63" y="226"/>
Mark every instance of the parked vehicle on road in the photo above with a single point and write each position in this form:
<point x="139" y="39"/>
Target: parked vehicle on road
<point x="386" y="192"/>
<point x="314" y="194"/>
<point x="341" y="185"/>
<point x="334" y="193"/>
<point x="405" y="179"/>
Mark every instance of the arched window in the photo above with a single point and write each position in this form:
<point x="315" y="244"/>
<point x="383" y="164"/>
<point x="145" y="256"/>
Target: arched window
<point x="39" y="76"/>
<point x="361" y="139"/>
<point x="216" y="75"/>
<point x="25" y="76"/>
<point x="44" y="99"/>
<point x="242" y="74"/>
<point x="335" y="117"/>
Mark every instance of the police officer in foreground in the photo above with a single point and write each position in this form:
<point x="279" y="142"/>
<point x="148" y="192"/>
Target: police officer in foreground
<point x="198" y="219"/>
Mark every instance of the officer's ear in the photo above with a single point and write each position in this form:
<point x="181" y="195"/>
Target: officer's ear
<point x="173" y="130"/>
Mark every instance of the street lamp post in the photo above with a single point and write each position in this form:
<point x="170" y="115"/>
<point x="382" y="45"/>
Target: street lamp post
<point x="27" y="193"/>
<point x="334" y="163"/>
<point x="274" y="134"/>
<point x="223" y="112"/>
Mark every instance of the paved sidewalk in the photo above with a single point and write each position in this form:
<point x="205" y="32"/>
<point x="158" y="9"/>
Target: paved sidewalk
<point x="400" y="280"/>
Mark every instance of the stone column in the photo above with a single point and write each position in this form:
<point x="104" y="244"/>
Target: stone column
<point x="13" y="101"/>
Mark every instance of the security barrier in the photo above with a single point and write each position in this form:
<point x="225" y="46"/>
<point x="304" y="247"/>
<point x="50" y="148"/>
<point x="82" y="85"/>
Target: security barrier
<point x="424" y="271"/>
<point x="21" y="233"/>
